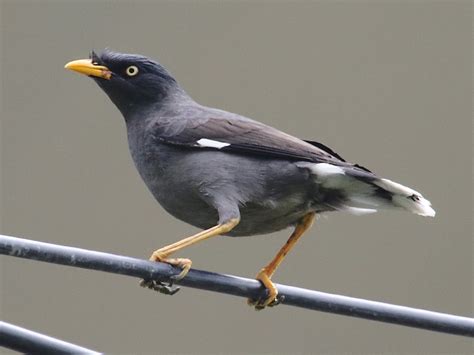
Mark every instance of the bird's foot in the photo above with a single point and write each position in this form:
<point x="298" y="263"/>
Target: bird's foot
<point x="272" y="298"/>
<point x="167" y="288"/>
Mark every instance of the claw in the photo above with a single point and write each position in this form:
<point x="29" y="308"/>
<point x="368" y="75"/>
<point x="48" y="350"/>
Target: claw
<point x="272" y="298"/>
<point x="167" y="288"/>
<point x="279" y="299"/>
<point x="160" y="286"/>
<point x="260" y="303"/>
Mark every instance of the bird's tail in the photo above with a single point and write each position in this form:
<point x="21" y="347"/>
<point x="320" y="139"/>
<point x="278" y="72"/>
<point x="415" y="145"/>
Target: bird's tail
<point x="405" y="197"/>
<point x="357" y="190"/>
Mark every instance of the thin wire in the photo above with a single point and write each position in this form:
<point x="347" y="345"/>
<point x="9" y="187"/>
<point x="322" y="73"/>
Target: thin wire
<point x="237" y="286"/>
<point x="26" y="341"/>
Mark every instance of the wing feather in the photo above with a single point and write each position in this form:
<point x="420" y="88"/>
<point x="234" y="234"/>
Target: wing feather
<point x="242" y="135"/>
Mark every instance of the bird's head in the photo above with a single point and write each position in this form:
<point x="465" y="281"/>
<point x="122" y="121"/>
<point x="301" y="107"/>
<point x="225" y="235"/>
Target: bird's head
<point x="131" y="81"/>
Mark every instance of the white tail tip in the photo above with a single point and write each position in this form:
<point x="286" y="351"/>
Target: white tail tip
<point x="408" y="198"/>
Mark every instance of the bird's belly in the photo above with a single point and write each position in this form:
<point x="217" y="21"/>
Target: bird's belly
<point x="276" y="203"/>
<point x="263" y="221"/>
<point x="255" y="218"/>
<point x="196" y="212"/>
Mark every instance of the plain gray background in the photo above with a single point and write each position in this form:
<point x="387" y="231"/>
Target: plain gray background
<point x="386" y="84"/>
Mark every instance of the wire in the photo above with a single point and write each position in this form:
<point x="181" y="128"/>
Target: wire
<point x="26" y="341"/>
<point x="237" y="286"/>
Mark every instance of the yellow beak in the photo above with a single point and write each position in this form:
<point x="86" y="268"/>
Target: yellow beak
<point x="85" y="66"/>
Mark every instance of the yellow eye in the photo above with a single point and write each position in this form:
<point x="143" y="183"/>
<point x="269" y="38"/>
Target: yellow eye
<point x="132" y="70"/>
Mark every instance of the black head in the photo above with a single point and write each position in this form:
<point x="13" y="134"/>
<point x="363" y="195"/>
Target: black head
<point x="131" y="81"/>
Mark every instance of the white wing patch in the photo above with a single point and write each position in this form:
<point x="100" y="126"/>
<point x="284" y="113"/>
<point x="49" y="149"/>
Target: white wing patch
<point x="209" y="143"/>
<point x="325" y="169"/>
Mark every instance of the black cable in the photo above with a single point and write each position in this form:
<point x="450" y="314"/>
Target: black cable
<point x="26" y="341"/>
<point x="237" y="286"/>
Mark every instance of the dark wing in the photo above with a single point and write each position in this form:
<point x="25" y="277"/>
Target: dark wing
<point x="326" y="149"/>
<point x="333" y="153"/>
<point x="240" y="135"/>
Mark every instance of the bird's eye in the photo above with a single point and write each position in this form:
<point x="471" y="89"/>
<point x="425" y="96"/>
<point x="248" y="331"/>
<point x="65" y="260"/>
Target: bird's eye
<point x="132" y="70"/>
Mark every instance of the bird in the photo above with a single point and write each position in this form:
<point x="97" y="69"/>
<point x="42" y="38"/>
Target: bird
<point x="227" y="174"/>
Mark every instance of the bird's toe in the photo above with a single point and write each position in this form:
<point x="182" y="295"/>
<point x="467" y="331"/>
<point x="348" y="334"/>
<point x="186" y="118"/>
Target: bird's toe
<point x="184" y="264"/>
<point x="167" y="288"/>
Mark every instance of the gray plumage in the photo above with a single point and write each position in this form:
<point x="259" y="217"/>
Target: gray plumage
<point x="205" y="165"/>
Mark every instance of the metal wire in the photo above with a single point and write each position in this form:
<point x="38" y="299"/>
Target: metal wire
<point x="237" y="286"/>
<point x="26" y="341"/>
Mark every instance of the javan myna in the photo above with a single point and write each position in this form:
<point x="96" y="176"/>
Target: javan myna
<point x="228" y="174"/>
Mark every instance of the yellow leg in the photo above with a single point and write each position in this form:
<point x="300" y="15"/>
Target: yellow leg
<point x="163" y="254"/>
<point x="266" y="273"/>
